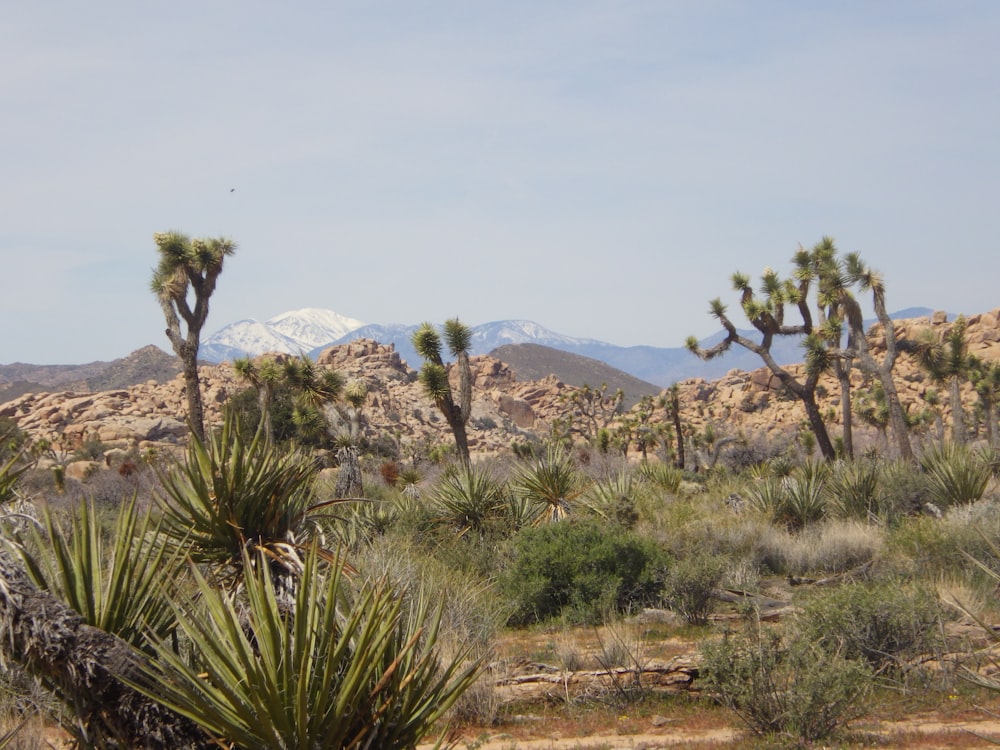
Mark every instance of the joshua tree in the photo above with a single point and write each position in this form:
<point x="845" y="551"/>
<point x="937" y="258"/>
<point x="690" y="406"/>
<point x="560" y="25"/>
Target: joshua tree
<point x="869" y="280"/>
<point x="985" y="377"/>
<point x="188" y="267"/>
<point x="595" y="409"/>
<point x="767" y="315"/>
<point x="263" y="375"/>
<point x="673" y="404"/>
<point x="314" y="388"/>
<point x="947" y="361"/>
<point x="456" y="407"/>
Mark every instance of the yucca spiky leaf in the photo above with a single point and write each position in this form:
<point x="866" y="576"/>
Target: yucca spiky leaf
<point x="427" y="342"/>
<point x="551" y="482"/>
<point x="343" y="669"/>
<point x="122" y="585"/>
<point x="434" y="378"/>
<point x="458" y="335"/>
<point x="469" y="497"/>
<point x="229" y="494"/>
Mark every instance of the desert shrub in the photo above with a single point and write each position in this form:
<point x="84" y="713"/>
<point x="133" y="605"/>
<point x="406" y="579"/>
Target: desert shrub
<point x="855" y="489"/>
<point x="580" y="570"/>
<point x="616" y="497"/>
<point x="784" y="685"/>
<point x="956" y="475"/>
<point x="887" y="623"/>
<point x="389" y="471"/>
<point x="795" y="500"/>
<point x="690" y="586"/>
<point x="905" y="491"/>
<point x="90" y="450"/>
<point x="746" y="453"/>
<point x="934" y="547"/>
<point x="834" y="546"/>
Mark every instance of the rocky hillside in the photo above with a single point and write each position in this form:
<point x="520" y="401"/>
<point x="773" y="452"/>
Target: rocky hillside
<point x="746" y="405"/>
<point x="534" y="362"/>
<point x="148" y="363"/>
<point x="152" y="413"/>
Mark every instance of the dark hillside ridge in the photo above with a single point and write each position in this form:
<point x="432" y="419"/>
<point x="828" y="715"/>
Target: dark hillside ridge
<point x="534" y="362"/>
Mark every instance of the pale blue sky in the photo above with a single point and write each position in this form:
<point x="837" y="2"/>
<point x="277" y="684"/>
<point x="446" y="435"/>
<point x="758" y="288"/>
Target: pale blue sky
<point x="600" y="168"/>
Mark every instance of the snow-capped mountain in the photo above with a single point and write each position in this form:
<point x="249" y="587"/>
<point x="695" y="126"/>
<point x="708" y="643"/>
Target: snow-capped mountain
<point x="293" y="332"/>
<point x="245" y="338"/>
<point x="311" y="330"/>
<point x="312" y="326"/>
<point x="488" y="336"/>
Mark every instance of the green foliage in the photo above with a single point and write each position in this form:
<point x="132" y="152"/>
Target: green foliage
<point x="434" y="379"/>
<point x="581" y="570"/>
<point x="11" y="471"/>
<point x="470" y="497"/>
<point x="120" y="585"/>
<point x="427" y="342"/>
<point x="663" y="476"/>
<point x="855" y="490"/>
<point x="551" y="483"/>
<point x="349" y="669"/>
<point x="956" y="475"/>
<point x="691" y="585"/>
<point x="616" y="497"/>
<point x="779" y="685"/>
<point x="231" y="495"/>
<point x="793" y="501"/>
<point x="887" y="624"/>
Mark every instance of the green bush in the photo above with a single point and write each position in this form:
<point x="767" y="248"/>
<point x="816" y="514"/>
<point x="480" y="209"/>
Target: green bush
<point x="691" y="584"/>
<point x="784" y="685"/>
<point x="955" y="474"/>
<point x="581" y="570"/>
<point x="886" y="623"/>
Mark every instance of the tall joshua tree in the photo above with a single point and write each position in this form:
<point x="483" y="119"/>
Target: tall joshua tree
<point x="767" y="315"/>
<point x="183" y="282"/>
<point x="948" y="362"/>
<point x="869" y="280"/>
<point x="456" y="407"/>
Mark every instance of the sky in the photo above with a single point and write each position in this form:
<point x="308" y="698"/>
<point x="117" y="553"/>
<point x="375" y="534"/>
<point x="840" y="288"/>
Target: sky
<point x="600" y="168"/>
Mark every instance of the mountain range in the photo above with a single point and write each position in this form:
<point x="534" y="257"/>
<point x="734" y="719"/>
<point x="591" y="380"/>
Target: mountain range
<point x="311" y="330"/>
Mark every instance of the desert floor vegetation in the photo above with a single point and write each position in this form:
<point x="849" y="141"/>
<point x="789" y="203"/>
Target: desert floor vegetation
<point x="579" y="600"/>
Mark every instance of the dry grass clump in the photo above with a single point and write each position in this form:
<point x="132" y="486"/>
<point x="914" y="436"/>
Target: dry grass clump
<point x="830" y="547"/>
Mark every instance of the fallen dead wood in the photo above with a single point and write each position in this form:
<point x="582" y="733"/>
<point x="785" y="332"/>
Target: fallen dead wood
<point x="673" y="675"/>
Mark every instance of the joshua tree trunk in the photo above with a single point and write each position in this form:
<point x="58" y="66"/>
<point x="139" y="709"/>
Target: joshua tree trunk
<point x="87" y="667"/>
<point x="349" y="475"/>
<point x="844" y="377"/>
<point x="957" y="414"/>
<point x="192" y="390"/>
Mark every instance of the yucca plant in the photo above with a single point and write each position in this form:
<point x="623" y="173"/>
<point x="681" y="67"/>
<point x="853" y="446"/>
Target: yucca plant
<point x="119" y="584"/>
<point x="346" y="670"/>
<point x="10" y="474"/>
<point x="615" y="496"/>
<point x="956" y="475"/>
<point x="469" y="497"/>
<point x="794" y="500"/>
<point x="550" y="482"/>
<point x="231" y="495"/>
<point x="855" y="489"/>
<point x="664" y="476"/>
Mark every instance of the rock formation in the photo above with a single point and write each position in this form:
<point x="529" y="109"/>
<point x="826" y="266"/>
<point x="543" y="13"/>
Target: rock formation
<point x="746" y="405"/>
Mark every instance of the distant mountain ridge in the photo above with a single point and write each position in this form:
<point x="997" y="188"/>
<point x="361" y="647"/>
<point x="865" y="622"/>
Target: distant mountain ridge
<point x="574" y="361"/>
<point x="661" y="366"/>
<point x="292" y="332"/>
